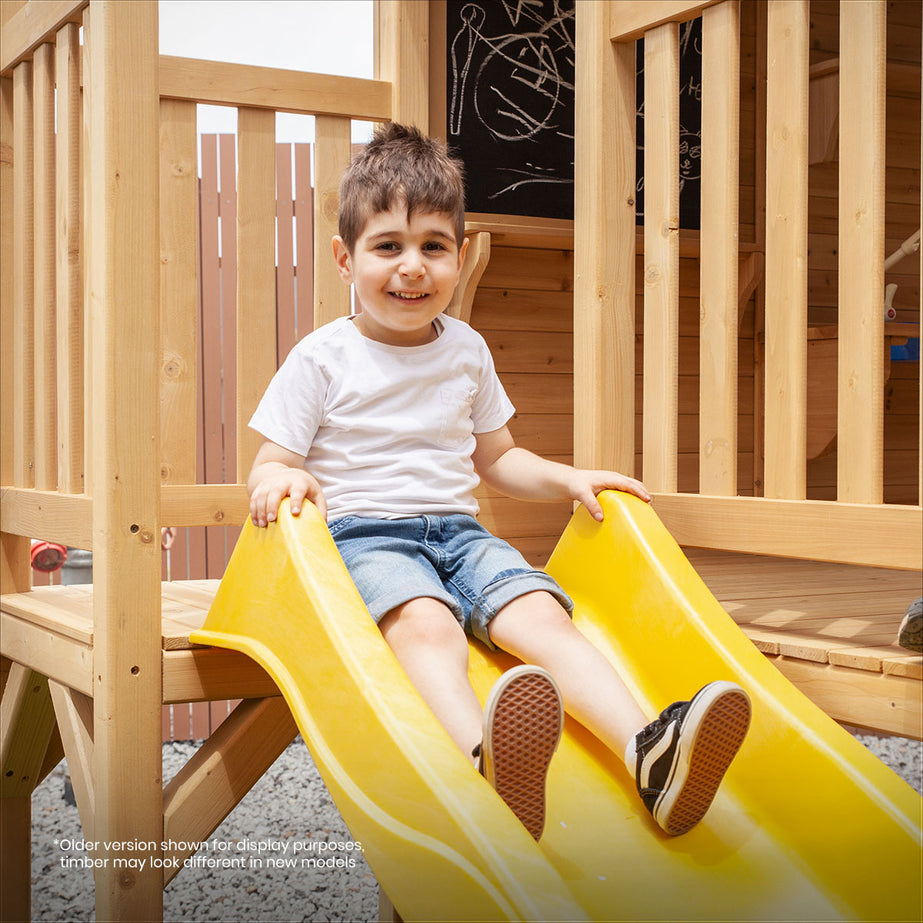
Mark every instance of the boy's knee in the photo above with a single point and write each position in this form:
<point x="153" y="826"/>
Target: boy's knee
<point x="425" y="620"/>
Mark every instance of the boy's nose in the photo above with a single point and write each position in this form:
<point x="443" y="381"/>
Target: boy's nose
<point x="412" y="265"/>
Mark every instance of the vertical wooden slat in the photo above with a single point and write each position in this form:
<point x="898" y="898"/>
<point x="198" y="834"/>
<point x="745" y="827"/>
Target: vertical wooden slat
<point x="786" y="248"/>
<point x="718" y="314"/>
<point x="920" y="376"/>
<point x="402" y="57"/>
<point x="256" y="277"/>
<point x="8" y="434"/>
<point x="860" y="403"/>
<point x="68" y="262"/>
<point x="661" y="256"/>
<point x="86" y="201"/>
<point x="604" y="246"/>
<point x="178" y="290"/>
<point x="304" y="241"/>
<point x="228" y="166"/>
<point x="285" y="253"/>
<point x="45" y="354"/>
<point x="331" y="157"/>
<point x="23" y="279"/>
<point x="124" y="281"/>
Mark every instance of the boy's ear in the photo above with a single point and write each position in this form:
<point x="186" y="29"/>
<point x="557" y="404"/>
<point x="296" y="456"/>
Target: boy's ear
<point x="342" y="258"/>
<point x="461" y="254"/>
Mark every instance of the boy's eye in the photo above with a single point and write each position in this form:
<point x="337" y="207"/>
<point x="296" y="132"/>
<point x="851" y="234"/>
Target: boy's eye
<point x="434" y="246"/>
<point x="388" y="246"/>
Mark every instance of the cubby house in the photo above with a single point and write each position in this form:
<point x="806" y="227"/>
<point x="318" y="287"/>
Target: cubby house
<point x="744" y="369"/>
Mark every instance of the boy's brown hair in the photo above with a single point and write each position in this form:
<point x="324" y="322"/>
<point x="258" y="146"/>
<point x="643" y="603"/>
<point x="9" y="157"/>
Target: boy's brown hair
<point x="401" y="164"/>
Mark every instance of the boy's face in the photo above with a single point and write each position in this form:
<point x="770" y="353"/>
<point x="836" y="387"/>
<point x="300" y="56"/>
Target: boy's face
<point x="405" y="272"/>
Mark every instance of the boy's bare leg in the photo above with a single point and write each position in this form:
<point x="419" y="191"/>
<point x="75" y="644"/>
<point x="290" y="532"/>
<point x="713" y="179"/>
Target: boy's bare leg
<point x="536" y="629"/>
<point x="433" y="650"/>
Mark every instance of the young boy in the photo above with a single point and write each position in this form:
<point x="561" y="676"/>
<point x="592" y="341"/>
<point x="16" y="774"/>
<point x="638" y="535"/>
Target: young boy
<point x="385" y="420"/>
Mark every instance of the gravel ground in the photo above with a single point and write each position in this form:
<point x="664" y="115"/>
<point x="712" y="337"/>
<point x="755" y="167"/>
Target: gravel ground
<point x="288" y="808"/>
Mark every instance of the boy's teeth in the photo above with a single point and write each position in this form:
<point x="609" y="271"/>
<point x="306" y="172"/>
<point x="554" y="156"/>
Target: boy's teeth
<point x="409" y="295"/>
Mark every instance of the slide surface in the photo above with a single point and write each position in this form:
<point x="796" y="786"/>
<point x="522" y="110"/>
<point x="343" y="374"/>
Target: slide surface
<point x="808" y="825"/>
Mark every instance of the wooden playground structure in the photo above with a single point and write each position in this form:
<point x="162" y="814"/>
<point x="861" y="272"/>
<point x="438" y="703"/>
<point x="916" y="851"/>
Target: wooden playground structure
<point x="799" y="497"/>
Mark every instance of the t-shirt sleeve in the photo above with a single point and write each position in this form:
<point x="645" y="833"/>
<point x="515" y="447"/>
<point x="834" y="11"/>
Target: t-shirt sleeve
<point x="292" y="408"/>
<point x="492" y="407"/>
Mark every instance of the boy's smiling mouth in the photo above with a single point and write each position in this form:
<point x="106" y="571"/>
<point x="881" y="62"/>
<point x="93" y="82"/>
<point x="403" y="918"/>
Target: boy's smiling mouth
<point x="409" y="296"/>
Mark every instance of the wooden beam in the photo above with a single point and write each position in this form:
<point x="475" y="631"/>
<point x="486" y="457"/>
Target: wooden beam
<point x="74" y="713"/>
<point x="222" y="771"/>
<point x="220" y="84"/>
<point x="33" y="24"/>
<point x="402" y="58"/>
<point x="256" y="273"/>
<point x="604" y="246"/>
<point x="661" y="257"/>
<point x="7" y="311"/>
<point x="718" y="267"/>
<point x="120" y="41"/>
<point x="56" y="517"/>
<point x="207" y="674"/>
<point x="849" y="533"/>
<point x="631" y="18"/>
<point x="204" y="504"/>
<point x="786" y="249"/>
<point x="860" y="359"/>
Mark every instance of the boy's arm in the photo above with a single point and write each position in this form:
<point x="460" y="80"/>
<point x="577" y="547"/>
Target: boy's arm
<point x="523" y="475"/>
<point x="279" y="473"/>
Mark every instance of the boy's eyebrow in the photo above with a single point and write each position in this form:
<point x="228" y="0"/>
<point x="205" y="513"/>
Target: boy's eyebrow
<point x="430" y="232"/>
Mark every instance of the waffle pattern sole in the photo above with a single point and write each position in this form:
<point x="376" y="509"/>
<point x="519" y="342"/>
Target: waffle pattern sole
<point x="523" y="721"/>
<point x="714" y="744"/>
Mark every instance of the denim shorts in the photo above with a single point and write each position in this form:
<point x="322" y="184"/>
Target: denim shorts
<point x="450" y="558"/>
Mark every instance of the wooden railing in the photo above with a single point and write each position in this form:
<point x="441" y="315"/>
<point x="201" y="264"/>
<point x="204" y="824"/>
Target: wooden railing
<point x="858" y="527"/>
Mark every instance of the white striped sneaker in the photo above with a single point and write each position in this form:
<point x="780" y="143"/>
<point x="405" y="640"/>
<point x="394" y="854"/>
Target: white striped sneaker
<point x="682" y="756"/>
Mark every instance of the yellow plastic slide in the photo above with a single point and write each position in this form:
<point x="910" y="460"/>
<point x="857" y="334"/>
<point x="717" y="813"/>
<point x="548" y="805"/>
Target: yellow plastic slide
<point x="808" y="825"/>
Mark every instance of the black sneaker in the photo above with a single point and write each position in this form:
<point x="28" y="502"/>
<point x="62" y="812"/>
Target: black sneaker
<point x="910" y="633"/>
<point x="523" y="719"/>
<point x="682" y="757"/>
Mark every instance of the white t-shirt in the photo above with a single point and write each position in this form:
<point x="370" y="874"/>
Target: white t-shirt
<point x="388" y="431"/>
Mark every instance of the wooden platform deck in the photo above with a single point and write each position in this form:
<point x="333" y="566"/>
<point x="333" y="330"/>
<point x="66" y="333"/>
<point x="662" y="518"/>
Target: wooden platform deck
<point x="830" y="628"/>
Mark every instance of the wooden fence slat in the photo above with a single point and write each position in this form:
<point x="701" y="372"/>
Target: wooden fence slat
<point x="304" y="242"/>
<point x="179" y="294"/>
<point x="331" y="157"/>
<point x="7" y="432"/>
<point x="45" y="352"/>
<point x="604" y="247"/>
<point x="786" y="249"/>
<point x="256" y="277"/>
<point x="70" y="326"/>
<point x="860" y="403"/>
<point x="661" y="254"/>
<point x="718" y="441"/>
<point x="228" y="198"/>
<point x="23" y="279"/>
<point x="285" y="253"/>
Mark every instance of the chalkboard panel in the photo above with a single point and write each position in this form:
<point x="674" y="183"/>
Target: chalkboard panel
<point x="510" y="104"/>
<point x="510" y="107"/>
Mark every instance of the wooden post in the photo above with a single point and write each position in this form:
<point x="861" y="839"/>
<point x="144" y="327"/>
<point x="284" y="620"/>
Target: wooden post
<point x="123" y="276"/>
<point x="604" y="246"/>
<point x="786" y="249"/>
<point x="860" y="403"/>
<point x="256" y="272"/>
<point x="719" y="250"/>
<point x="661" y="256"/>
<point x="402" y="57"/>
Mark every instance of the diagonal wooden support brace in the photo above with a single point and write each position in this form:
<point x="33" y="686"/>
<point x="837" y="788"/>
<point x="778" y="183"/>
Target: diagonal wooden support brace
<point x="222" y="771"/>
<point x="74" y="712"/>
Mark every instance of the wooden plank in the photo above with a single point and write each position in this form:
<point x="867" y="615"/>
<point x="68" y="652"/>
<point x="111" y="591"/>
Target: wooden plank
<point x="123" y="271"/>
<point x="57" y="517"/>
<point x="44" y="265"/>
<point x="661" y="255"/>
<point x="275" y="89"/>
<point x="222" y="771"/>
<point x="720" y="299"/>
<point x="477" y="258"/>
<point x="7" y="309"/>
<point x="304" y="242"/>
<point x="68" y="267"/>
<point x="179" y="188"/>
<point x="860" y="407"/>
<point x="786" y="249"/>
<point x="33" y="24"/>
<point x="27" y="722"/>
<point x="204" y="504"/>
<point x="285" y="253"/>
<point x="74" y="714"/>
<point x="47" y="652"/>
<point x="256" y="276"/>
<point x="632" y="18"/>
<point x="23" y="279"/>
<point x="888" y="536"/>
<point x="331" y="157"/>
<point x="208" y="674"/>
<point x="402" y="58"/>
<point x="604" y="246"/>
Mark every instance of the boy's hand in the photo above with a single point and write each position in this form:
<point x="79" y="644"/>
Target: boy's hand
<point x="587" y="484"/>
<point x="276" y="474"/>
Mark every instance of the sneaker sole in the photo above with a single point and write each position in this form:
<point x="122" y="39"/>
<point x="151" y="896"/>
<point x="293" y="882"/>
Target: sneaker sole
<point x="714" y="729"/>
<point x="523" y="720"/>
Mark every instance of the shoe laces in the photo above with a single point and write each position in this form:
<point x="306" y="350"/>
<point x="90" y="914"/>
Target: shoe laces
<point x="670" y="713"/>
